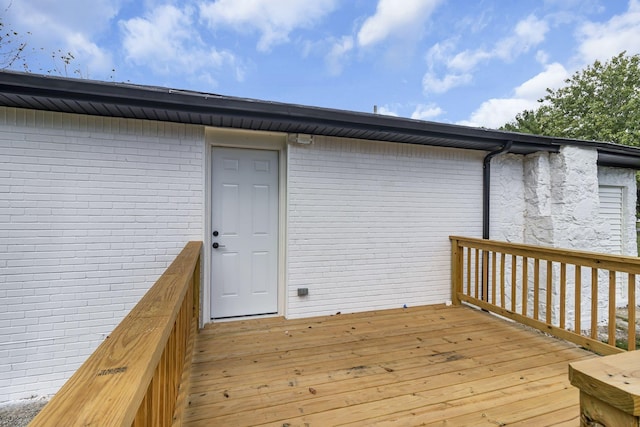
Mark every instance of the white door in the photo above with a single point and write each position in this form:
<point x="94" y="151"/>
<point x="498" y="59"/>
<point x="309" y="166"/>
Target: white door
<point x="244" y="211"/>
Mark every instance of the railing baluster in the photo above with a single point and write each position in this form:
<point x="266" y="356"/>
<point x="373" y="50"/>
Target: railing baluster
<point x="525" y="283"/>
<point x="578" y="302"/>
<point x="631" y="306"/>
<point x="468" y="271"/>
<point x="485" y="276"/>
<point x="549" y="291"/>
<point x="536" y="289"/>
<point x="563" y="295"/>
<point x="143" y="416"/>
<point x="514" y="265"/>
<point x="612" y="308"/>
<point x="594" y="303"/>
<point x="171" y="371"/>
<point x="502" y="278"/>
<point x="493" y="278"/>
<point x="477" y="273"/>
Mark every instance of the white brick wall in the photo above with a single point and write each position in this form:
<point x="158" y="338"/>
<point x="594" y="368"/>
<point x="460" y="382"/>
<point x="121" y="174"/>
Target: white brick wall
<point x="92" y="210"/>
<point x="369" y="223"/>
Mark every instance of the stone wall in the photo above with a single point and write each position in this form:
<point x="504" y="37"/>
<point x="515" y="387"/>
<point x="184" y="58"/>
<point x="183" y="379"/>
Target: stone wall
<point x="556" y="203"/>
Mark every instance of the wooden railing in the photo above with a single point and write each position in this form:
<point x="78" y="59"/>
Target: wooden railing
<point x="133" y="377"/>
<point x="554" y="290"/>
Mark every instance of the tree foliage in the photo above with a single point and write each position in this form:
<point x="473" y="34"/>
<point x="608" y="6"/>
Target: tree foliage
<point x="599" y="103"/>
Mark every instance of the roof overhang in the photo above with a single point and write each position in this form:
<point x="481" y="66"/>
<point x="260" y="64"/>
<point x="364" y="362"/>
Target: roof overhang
<point x="31" y="91"/>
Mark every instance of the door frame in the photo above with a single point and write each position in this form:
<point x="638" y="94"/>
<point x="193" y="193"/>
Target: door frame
<point x="231" y="138"/>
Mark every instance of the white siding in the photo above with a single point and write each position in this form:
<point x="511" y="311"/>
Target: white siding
<point x="611" y="210"/>
<point x="92" y="210"/>
<point x="369" y="223"/>
<point x="626" y="180"/>
<point x="618" y="209"/>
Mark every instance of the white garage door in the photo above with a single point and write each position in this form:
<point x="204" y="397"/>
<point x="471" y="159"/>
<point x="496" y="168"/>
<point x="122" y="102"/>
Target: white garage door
<point x="611" y="212"/>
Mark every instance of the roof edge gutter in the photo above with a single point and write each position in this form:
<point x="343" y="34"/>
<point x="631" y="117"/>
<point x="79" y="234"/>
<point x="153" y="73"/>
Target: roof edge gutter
<point x="486" y="184"/>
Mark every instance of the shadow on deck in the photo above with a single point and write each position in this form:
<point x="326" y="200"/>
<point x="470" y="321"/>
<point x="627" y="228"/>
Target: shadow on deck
<point x="426" y="365"/>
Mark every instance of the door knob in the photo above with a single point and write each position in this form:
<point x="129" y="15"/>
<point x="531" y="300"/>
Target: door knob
<point x="216" y="245"/>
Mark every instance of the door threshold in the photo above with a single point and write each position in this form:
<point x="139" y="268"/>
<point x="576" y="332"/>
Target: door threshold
<point x="245" y="317"/>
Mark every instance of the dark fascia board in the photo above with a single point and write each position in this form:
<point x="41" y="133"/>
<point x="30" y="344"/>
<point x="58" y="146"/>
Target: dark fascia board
<point x="59" y="93"/>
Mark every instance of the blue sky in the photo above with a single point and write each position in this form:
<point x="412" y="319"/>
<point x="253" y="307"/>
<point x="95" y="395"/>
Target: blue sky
<point x="467" y="62"/>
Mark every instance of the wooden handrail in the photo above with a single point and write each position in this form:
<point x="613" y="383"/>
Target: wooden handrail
<point x="134" y="375"/>
<point x="519" y="271"/>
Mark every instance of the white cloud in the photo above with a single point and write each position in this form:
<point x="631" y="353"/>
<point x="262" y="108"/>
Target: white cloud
<point x="497" y="111"/>
<point x="474" y="23"/>
<point x="92" y="56"/>
<point x="426" y="112"/>
<point x="72" y="28"/>
<point x="392" y="19"/>
<point x="273" y="19"/>
<point x="597" y="41"/>
<point x="440" y="52"/>
<point x="542" y="57"/>
<point x="467" y="60"/>
<point x="535" y="88"/>
<point x="337" y="56"/>
<point x="165" y="41"/>
<point x="530" y="32"/>
<point x="75" y="15"/>
<point x="432" y="84"/>
<point x="602" y="41"/>
<point x="527" y="33"/>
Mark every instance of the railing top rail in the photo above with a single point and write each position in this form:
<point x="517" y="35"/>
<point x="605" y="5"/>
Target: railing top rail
<point x="109" y="387"/>
<point x="623" y="263"/>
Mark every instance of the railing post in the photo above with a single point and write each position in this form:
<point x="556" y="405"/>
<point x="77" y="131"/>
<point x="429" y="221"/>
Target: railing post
<point x="456" y="271"/>
<point x="196" y="293"/>
<point x="609" y="394"/>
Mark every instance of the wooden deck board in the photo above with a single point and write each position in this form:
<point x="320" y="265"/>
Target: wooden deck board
<point x="429" y="365"/>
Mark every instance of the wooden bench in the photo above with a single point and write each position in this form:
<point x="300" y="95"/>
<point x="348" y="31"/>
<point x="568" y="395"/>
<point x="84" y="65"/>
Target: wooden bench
<point x="609" y="389"/>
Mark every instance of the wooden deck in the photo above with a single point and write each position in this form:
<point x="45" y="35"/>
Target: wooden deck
<point x="435" y="365"/>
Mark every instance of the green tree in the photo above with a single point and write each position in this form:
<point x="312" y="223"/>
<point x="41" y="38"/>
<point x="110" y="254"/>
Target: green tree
<point x="599" y="103"/>
<point x="525" y="122"/>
